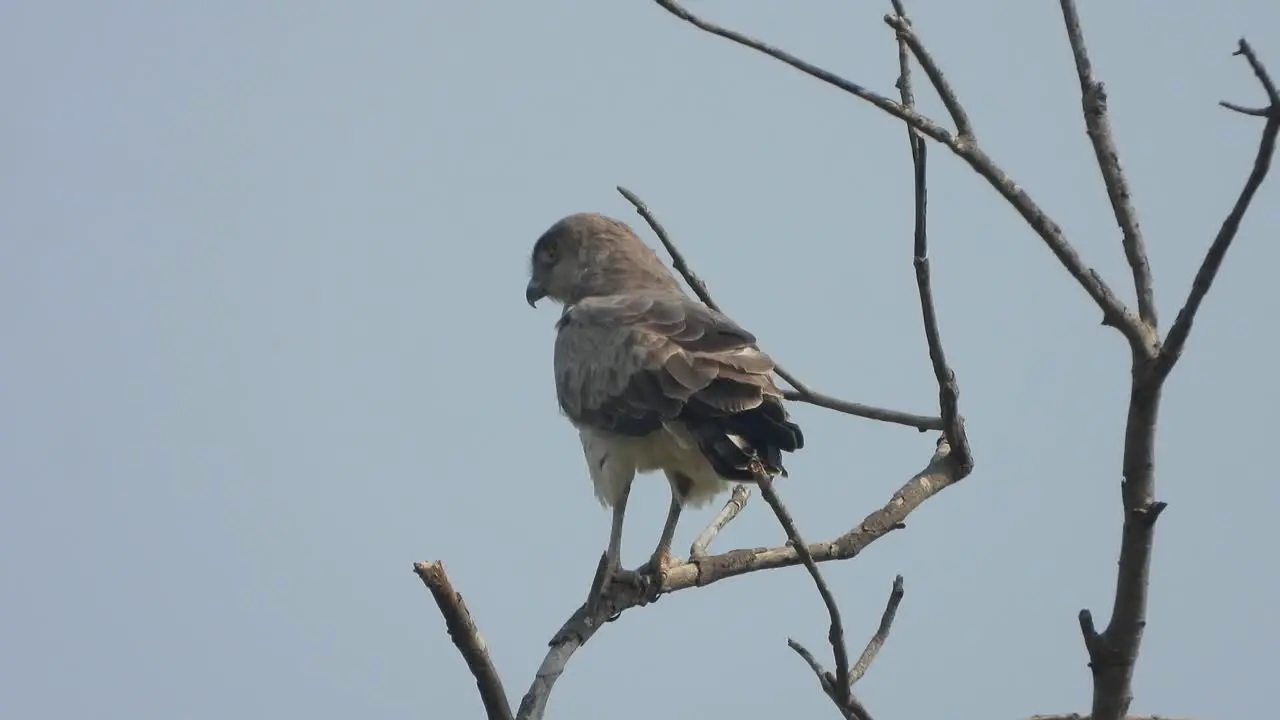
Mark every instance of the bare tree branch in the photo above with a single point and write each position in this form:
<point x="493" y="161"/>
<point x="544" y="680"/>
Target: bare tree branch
<point x="826" y="680"/>
<point x="1260" y="72"/>
<point x="849" y="707"/>
<point x="938" y="475"/>
<point x="1114" y="312"/>
<point x="948" y="387"/>
<point x="1093" y="99"/>
<point x="812" y="397"/>
<point x="908" y="40"/>
<point x="734" y="505"/>
<point x="878" y="640"/>
<point x="1181" y="329"/>
<point x="1254" y="112"/>
<point x="802" y="392"/>
<point x="835" y="635"/>
<point x="1113" y="653"/>
<point x="466" y="636"/>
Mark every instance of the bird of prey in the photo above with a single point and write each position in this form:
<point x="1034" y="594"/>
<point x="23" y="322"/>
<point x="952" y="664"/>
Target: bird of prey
<point x="652" y="378"/>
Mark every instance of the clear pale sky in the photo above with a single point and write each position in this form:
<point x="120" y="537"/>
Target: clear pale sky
<point x="264" y="345"/>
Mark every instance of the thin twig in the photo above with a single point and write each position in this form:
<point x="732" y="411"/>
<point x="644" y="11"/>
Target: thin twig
<point x="835" y="634"/>
<point x="1260" y="72"/>
<point x="826" y="680"/>
<point x="734" y="505"/>
<point x="677" y="258"/>
<point x="902" y="24"/>
<point x="919" y="422"/>
<point x="1114" y="312"/>
<point x="1253" y="112"/>
<point x="466" y="636"/>
<point x="1093" y="100"/>
<point x="802" y="392"/>
<point x="877" y="641"/>
<point x="948" y="386"/>
<point x="922" y="123"/>
<point x="1181" y="329"/>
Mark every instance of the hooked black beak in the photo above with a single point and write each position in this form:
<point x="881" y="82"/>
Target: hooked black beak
<point x="534" y="292"/>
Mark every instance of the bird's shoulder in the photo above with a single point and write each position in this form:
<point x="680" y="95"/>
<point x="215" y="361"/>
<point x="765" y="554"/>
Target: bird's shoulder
<point x="653" y="316"/>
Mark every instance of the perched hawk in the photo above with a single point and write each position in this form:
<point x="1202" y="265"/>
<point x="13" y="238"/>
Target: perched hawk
<point x="652" y="378"/>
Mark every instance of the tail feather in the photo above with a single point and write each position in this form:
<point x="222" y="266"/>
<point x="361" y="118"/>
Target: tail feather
<point x="739" y="445"/>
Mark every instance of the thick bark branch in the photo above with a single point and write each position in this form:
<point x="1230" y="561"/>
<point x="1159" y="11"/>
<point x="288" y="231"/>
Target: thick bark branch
<point x="1113" y="653"/>
<point x="466" y="636"/>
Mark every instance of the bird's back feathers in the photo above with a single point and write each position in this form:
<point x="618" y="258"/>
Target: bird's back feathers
<point x="631" y="364"/>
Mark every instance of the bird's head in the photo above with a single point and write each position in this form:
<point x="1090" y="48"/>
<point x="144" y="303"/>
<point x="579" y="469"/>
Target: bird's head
<point x="588" y="255"/>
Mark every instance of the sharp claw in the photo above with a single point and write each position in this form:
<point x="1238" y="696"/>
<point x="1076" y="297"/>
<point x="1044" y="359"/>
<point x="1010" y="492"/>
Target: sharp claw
<point x="647" y="579"/>
<point x="653" y="573"/>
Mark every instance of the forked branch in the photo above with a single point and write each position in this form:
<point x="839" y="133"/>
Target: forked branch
<point x="964" y="146"/>
<point x="838" y="686"/>
<point x="1181" y="329"/>
<point x="948" y="387"/>
<point x="1113" y="652"/>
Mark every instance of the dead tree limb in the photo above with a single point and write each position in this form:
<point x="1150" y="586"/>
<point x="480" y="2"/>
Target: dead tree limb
<point x="881" y="635"/>
<point x="1113" y="652"/>
<point x="938" y="475"/>
<point x="466" y="636"/>
<point x="1093" y="102"/>
<point x="1181" y="328"/>
<point x="963" y="146"/>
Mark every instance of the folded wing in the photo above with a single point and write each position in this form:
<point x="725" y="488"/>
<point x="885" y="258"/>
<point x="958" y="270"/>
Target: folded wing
<point x="628" y="364"/>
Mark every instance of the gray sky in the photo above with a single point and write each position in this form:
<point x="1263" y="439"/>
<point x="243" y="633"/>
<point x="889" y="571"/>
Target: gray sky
<point x="265" y="345"/>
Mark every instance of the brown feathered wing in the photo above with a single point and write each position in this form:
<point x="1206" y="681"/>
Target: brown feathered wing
<point x="628" y="363"/>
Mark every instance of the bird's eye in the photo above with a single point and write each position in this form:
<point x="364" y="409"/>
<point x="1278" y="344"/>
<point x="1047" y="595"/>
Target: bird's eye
<point x="546" y="254"/>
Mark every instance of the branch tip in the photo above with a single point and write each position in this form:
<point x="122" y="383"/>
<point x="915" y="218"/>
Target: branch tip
<point x="462" y="630"/>
<point x="1176" y="339"/>
<point x="877" y="640"/>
